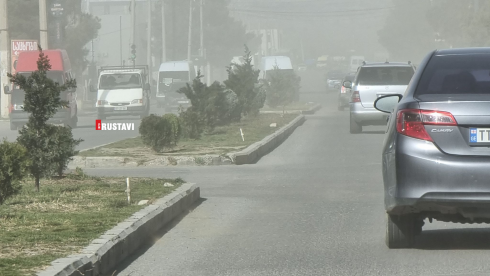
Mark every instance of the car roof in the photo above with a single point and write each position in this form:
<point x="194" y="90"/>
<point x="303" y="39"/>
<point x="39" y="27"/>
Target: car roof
<point x="463" y="51"/>
<point x="387" y="64"/>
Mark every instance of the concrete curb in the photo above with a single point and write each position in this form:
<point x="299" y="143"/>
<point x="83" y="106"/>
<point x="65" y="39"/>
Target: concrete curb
<point x="254" y="152"/>
<point x="310" y="111"/>
<point x="110" y="249"/>
<point x="108" y="162"/>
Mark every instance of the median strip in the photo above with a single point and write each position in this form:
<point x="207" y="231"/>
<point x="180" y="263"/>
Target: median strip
<point x="217" y="148"/>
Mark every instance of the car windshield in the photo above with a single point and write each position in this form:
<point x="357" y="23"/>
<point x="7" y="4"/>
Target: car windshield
<point x="456" y="75"/>
<point x="385" y="75"/>
<point x="120" y="81"/>
<point x="175" y="76"/>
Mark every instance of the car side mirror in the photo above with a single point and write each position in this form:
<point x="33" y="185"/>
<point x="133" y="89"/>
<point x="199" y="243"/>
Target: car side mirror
<point x="347" y="84"/>
<point x="6" y="89"/>
<point x="92" y="88"/>
<point x="387" y="103"/>
<point x="147" y="86"/>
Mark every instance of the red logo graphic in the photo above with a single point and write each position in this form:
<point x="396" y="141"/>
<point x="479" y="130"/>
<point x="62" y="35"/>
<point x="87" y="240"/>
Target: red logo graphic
<point x="98" y="124"/>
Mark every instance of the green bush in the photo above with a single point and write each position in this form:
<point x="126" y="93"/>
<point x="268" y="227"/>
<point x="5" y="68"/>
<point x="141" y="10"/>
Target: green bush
<point x="192" y="123"/>
<point x="282" y="87"/>
<point x="64" y="148"/>
<point x="160" y="132"/>
<point x="174" y="127"/>
<point x="13" y="167"/>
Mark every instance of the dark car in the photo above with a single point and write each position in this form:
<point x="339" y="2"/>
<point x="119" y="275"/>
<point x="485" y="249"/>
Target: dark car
<point x="436" y="153"/>
<point x="334" y="79"/>
<point x="344" y="92"/>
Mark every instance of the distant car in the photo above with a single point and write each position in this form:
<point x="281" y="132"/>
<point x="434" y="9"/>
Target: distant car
<point x="374" y="80"/>
<point x="344" y="92"/>
<point x="334" y="80"/>
<point x="302" y="67"/>
<point x="436" y="153"/>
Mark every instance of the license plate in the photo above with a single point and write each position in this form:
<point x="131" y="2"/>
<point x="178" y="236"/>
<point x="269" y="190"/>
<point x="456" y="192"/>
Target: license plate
<point x="121" y="108"/>
<point x="479" y="135"/>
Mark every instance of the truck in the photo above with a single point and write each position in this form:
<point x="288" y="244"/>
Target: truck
<point x="122" y="91"/>
<point x="60" y="72"/>
<point x="172" y="76"/>
<point x="270" y="62"/>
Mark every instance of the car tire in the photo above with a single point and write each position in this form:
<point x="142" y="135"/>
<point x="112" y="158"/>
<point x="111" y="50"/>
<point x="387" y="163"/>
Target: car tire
<point x="400" y="231"/>
<point x="340" y="107"/>
<point x="13" y="126"/>
<point x="354" y="126"/>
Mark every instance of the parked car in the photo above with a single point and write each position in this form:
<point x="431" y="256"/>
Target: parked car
<point x="372" y="81"/>
<point x="344" y="92"/>
<point x="334" y="80"/>
<point x="436" y="154"/>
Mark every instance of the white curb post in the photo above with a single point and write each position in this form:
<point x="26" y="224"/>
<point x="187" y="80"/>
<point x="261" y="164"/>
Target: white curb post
<point x="128" y="190"/>
<point x="241" y="132"/>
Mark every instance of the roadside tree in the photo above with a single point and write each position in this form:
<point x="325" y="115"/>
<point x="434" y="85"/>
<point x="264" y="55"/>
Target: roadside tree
<point x="243" y="79"/>
<point x="282" y="87"/>
<point x="42" y="100"/>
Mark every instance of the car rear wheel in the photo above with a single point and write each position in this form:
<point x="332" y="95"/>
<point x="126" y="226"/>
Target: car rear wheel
<point x="354" y="126"/>
<point x="401" y="231"/>
<point x="340" y="107"/>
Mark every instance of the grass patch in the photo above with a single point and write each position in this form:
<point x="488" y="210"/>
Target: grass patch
<point x="65" y="216"/>
<point x="221" y="141"/>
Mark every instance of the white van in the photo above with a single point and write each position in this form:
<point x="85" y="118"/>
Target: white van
<point x="269" y="63"/>
<point x="123" y="91"/>
<point x="172" y="76"/>
<point x="356" y="62"/>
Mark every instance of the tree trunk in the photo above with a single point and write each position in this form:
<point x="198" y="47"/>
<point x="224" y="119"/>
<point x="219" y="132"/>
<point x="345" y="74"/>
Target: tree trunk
<point x="60" y="170"/>
<point x="37" y="183"/>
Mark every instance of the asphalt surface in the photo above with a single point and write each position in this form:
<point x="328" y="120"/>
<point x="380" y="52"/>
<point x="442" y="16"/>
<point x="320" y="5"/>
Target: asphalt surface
<point x="86" y="129"/>
<point x="314" y="206"/>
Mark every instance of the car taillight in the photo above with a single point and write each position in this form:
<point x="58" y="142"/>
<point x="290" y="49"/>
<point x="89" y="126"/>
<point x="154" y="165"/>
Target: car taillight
<point x="356" y="98"/>
<point x="342" y="90"/>
<point x="11" y="107"/>
<point x="411" y="122"/>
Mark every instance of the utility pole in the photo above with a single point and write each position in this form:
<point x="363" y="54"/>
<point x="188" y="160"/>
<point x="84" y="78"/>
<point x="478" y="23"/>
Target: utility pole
<point x="201" y="50"/>
<point x="189" y="50"/>
<point x="164" y="33"/>
<point x="43" y="24"/>
<point x="120" y="40"/>
<point x="148" y="45"/>
<point x="133" y="22"/>
<point x="4" y="59"/>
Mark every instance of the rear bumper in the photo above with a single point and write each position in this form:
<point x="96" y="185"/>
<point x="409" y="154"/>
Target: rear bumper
<point x="131" y="111"/>
<point x="367" y="116"/>
<point x="418" y="177"/>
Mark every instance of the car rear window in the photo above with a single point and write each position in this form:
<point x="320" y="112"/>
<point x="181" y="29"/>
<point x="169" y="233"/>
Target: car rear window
<point x="456" y="75"/>
<point x="385" y="75"/>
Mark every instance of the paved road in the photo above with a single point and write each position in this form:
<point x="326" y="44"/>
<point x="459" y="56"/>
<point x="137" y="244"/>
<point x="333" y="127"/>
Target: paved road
<point x="314" y="206"/>
<point x="86" y="129"/>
